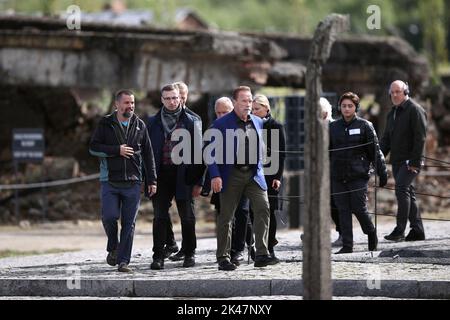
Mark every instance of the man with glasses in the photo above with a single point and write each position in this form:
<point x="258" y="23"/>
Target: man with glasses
<point x="172" y="177"/>
<point x="171" y="245"/>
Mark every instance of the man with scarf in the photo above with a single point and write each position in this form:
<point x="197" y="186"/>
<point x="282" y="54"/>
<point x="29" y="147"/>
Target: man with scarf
<point x="171" y="245"/>
<point x="171" y="177"/>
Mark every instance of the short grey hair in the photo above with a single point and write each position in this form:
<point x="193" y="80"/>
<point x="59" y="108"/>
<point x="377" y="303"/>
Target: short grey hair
<point x="223" y="100"/>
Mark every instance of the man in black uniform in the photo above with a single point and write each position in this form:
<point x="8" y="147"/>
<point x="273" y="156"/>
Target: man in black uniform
<point x="353" y="147"/>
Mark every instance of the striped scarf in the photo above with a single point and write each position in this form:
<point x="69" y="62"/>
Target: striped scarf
<point x="169" y="119"/>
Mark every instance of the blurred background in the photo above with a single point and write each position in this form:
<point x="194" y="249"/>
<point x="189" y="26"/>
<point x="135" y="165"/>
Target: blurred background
<point x="60" y="66"/>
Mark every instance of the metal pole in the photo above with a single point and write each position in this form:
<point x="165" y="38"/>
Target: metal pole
<point x="44" y="194"/>
<point x="376" y="194"/>
<point x="16" y="191"/>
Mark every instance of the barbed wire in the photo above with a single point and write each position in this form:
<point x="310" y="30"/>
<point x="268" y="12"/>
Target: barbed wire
<point x="355" y="190"/>
<point x="420" y="193"/>
<point x="422" y="218"/>
<point x="436" y="160"/>
<point x="442" y="167"/>
<point x="331" y="194"/>
<point x="49" y="183"/>
<point x="329" y="150"/>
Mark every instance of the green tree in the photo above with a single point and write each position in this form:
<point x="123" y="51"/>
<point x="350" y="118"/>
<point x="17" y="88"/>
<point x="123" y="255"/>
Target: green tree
<point x="432" y="15"/>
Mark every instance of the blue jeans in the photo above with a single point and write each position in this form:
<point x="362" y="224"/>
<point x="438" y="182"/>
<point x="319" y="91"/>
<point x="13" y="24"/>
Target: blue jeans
<point x="123" y="204"/>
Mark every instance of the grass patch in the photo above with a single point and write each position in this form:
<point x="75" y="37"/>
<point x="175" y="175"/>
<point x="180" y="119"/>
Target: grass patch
<point x="16" y="253"/>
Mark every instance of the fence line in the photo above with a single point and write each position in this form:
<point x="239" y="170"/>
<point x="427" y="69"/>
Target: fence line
<point x="49" y="183"/>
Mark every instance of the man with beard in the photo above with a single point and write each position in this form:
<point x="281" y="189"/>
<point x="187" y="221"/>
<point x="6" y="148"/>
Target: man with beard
<point x="122" y="143"/>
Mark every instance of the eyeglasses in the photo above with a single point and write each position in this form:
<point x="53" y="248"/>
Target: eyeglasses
<point x="171" y="98"/>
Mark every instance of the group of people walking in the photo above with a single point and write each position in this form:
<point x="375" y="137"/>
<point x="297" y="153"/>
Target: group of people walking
<point x="354" y="148"/>
<point x="136" y="153"/>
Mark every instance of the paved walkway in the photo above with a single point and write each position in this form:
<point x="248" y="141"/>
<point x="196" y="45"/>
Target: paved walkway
<point x="399" y="270"/>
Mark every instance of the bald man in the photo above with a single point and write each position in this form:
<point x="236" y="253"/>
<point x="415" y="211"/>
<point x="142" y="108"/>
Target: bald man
<point x="404" y="137"/>
<point x="223" y="106"/>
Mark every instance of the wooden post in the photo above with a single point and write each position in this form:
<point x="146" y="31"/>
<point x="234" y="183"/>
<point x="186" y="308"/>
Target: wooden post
<point x="316" y="242"/>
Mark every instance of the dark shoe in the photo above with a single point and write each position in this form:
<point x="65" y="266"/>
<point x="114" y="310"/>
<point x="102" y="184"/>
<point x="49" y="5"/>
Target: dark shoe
<point x="415" y="236"/>
<point x="123" y="267"/>
<point x="157" y="264"/>
<point x="338" y="242"/>
<point x="373" y="241"/>
<point x="111" y="258"/>
<point x="263" y="261"/>
<point x="226" y="265"/>
<point x="189" y="261"/>
<point x="344" y="250"/>
<point x="168" y="250"/>
<point x="275" y="242"/>
<point x="237" y="257"/>
<point x="272" y="253"/>
<point x="395" y="236"/>
<point x="178" y="256"/>
<point x="252" y="253"/>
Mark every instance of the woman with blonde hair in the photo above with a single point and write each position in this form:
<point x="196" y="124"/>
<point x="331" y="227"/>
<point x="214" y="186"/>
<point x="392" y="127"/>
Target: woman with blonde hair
<point x="261" y="108"/>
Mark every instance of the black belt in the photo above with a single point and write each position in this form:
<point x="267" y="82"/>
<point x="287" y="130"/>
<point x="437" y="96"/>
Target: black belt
<point x="243" y="168"/>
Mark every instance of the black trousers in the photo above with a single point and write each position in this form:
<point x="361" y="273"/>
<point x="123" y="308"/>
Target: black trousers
<point x="245" y="235"/>
<point x="406" y="199"/>
<point x="352" y="202"/>
<point x="170" y="237"/>
<point x="167" y="181"/>
<point x="334" y="214"/>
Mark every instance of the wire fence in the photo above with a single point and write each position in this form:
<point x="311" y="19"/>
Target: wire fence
<point x="48" y="184"/>
<point x="286" y="198"/>
<point x="432" y="173"/>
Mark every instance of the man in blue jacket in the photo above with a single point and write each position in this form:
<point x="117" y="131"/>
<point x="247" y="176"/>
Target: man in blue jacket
<point x="122" y="143"/>
<point x="172" y="177"/>
<point x="240" y="172"/>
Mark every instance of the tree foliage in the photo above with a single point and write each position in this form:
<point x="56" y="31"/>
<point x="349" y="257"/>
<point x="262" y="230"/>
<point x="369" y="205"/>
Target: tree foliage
<point x="434" y="32"/>
<point x="422" y="23"/>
